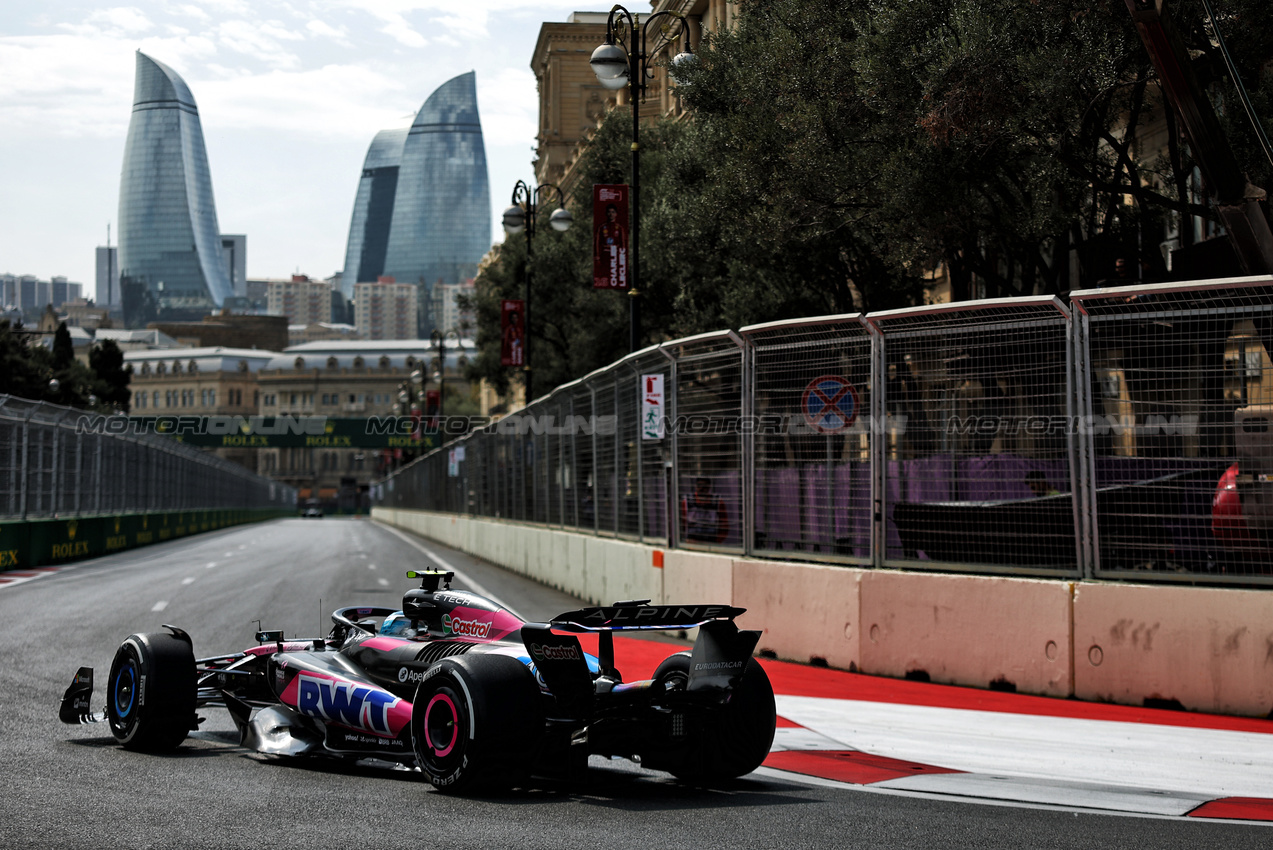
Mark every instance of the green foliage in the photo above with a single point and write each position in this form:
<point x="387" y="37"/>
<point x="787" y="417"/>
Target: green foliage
<point x="838" y="149"/>
<point x="28" y="369"/>
<point x="107" y="363"/>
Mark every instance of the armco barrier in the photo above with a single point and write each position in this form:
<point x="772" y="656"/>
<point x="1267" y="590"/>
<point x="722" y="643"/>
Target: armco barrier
<point x="1209" y="649"/>
<point x="40" y="542"/>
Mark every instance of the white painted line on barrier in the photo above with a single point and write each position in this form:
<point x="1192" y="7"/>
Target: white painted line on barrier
<point x="1056" y="792"/>
<point x="1180" y="760"/>
<point x="371" y="566"/>
<point x="210" y="565"/>
<point x="383" y="582"/>
<point x="787" y="738"/>
<point x="159" y="606"/>
<point x="449" y="567"/>
<point x="186" y="581"/>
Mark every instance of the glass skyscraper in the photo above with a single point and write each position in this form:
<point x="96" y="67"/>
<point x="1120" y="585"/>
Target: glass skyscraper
<point x="170" y="258"/>
<point x="439" y="223"/>
<point x="373" y="210"/>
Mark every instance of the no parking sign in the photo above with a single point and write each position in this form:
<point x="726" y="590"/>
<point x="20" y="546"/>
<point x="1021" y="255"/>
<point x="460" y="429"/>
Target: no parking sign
<point x="830" y="404"/>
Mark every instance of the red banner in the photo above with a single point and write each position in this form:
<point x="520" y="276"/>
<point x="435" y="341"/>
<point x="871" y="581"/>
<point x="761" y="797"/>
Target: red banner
<point x="610" y="236"/>
<point x="512" y="351"/>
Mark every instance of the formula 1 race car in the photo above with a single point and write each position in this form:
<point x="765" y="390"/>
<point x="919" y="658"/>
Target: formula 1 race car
<point x="459" y="687"/>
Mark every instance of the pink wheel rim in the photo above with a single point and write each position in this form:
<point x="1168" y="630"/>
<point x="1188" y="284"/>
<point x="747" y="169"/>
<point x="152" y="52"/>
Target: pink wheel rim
<point x="441" y="752"/>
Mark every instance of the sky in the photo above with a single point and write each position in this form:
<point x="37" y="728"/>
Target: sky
<point x="290" y="94"/>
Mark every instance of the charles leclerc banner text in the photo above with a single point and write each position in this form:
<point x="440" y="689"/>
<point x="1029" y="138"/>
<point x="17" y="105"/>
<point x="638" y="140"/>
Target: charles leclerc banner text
<point x="610" y="236"/>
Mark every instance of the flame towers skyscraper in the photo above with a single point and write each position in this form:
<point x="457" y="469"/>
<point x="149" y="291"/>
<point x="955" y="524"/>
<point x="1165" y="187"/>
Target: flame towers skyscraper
<point x="170" y="258"/>
<point x="438" y="225"/>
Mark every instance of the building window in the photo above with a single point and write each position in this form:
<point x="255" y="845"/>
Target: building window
<point x="384" y="361"/>
<point x="332" y="363"/>
<point x="300" y="363"/>
<point x="358" y="362"/>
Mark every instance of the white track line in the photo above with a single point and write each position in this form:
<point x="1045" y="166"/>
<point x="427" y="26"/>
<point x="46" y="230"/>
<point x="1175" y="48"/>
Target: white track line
<point x="446" y="565"/>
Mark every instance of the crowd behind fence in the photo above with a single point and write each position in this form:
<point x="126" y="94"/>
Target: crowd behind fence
<point x="51" y="465"/>
<point x="1119" y="433"/>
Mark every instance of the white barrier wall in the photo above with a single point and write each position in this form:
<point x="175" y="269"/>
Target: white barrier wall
<point x="1210" y="649"/>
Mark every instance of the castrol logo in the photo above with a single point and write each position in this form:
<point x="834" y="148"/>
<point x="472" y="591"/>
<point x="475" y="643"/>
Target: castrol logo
<point x="554" y="653"/>
<point x="464" y="628"/>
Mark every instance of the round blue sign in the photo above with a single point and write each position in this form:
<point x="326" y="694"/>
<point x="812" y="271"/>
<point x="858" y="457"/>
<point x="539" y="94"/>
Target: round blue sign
<point x="830" y="404"/>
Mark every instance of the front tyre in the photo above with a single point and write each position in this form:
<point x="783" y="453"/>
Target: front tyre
<point x="150" y="693"/>
<point x="476" y="722"/>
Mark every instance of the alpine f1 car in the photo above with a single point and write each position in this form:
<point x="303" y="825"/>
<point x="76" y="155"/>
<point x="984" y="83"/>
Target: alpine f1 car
<point x="459" y="687"/>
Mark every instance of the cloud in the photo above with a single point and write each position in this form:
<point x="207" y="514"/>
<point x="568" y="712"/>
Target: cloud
<point x="397" y="28"/>
<point x="121" y="20"/>
<point x="260" y="41"/>
<point x="335" y="100"/>
<point x="509" y="106"/>
<point x="322" y="29"/>
<point x="68" y="85"/>
<point x="194" y="12"/>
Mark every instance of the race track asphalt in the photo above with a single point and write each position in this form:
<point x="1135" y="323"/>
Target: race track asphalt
<point x="71" y="787"/>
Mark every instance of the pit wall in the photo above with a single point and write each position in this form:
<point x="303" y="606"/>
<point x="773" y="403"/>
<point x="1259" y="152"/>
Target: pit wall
<point x="42" y="542"/>
<point x="1204" y="649"/>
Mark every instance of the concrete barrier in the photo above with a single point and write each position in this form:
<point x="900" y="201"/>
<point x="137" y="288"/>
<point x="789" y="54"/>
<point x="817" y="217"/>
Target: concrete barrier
<point x="984" y="631"/>
<point x="1208" y="649"/>
<point x="804" y="611"/>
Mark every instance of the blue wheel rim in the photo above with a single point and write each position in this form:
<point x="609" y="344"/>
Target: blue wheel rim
<point x="125" y="690"/>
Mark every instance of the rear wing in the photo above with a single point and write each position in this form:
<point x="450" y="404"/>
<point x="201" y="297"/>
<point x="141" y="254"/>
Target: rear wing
<point x="641" y="615"/>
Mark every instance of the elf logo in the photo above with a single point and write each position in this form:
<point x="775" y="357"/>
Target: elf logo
<point x="345" y="703"/>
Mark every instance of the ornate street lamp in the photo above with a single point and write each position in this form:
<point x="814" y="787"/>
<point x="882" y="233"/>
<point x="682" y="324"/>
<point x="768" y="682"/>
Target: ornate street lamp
<point x="623" y="62"/>
<point x="522" y="215"/>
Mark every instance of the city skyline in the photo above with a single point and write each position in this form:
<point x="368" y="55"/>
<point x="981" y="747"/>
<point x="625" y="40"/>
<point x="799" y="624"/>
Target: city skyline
<point x="287" y="94"/>
<point x="170" y="256"/>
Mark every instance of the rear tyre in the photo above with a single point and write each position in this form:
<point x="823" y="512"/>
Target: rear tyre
<point x="476" y="723"/>
<point x="736" y="737"/>
<point x="150" y="693"/>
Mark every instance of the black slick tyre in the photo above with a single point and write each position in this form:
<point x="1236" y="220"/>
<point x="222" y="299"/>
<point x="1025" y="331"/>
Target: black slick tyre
<point x="737" y="736"/>
<point x="476" y="723"/>
<point x="150" y="693"/>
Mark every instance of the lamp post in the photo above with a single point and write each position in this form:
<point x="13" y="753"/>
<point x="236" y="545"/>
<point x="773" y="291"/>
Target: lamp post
<point x="623" y="62"/>
<point x="522" y="215"/>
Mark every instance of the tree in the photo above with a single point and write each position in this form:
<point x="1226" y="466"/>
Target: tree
<point x="28" y="370"/>
<point x="991" y="136"/>
<point x="107" y="363"/>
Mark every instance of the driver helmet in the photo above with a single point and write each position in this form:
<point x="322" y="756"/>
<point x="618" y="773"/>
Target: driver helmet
<point x="397" y="625"/>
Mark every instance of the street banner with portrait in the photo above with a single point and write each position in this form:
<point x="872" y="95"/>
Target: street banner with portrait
<point x="512" y="351"/>
<point x="610" y="236"/>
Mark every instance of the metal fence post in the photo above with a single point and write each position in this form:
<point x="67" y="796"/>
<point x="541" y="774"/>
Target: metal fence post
<point x="878" y="445"/>
<point x="747" y="445"/>
<point x="1083" y="477"/>
<point x="26" y="442"/>
<point x="596" y="479"/>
